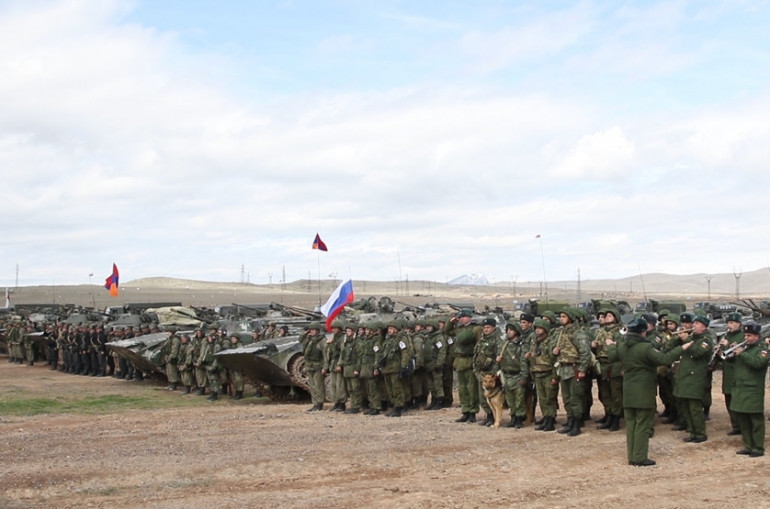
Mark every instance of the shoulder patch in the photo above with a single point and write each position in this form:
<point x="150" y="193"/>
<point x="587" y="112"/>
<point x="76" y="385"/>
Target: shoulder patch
<point x="657" y="339"/>
<point x="450" y="341"/>
<point x="402" y="345"/>
<point x="439" y="345"/>
<point x="704" y="345"/>
<point x="763" y="353"/>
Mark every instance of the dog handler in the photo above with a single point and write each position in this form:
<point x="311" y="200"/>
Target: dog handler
<point x="640" y="362"/>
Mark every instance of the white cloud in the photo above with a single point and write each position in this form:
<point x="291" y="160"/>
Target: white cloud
<point x="115" y="148"/>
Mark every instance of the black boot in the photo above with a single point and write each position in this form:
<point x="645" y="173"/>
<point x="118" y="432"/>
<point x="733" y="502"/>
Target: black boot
<point x="575" y="429"/>
<point x="471" y="417"/>
<point x="238" y="395"/>
<point x="335" y="407"/>
<point x="518" y="422"/>
<point x="567" y="427"/>
<point x="213" y="396"/>
<point x="340" y="407"/>
<point x="488" y="421"/>
<point x="539" y="426"/>
<point x="396" y="412"/>
<point x="615" y="424"/>
<point x="511" y="423"/>
<point x="352" y="410"/>
<point x="602" y="420"/>
<point x="608" y="420"/>
<point x="464" y="417"/>
<point x="436" y="404"/>
<point x="186" y="389"/>
<point x="315" y="408"/>
<point x="201" y="391"/>
<point x="549" y="424"/>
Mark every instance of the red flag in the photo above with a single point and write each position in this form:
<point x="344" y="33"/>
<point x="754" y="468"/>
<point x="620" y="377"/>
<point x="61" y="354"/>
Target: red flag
<point x="111" y="283"/>
<point x="319" y="244"/>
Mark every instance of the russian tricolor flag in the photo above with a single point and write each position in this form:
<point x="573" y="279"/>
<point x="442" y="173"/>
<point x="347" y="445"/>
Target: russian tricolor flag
<point x="339" y="298"/>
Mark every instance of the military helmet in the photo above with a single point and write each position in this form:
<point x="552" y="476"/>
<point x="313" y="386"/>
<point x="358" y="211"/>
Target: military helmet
<point x="663" y="313"/>
<point x="513" y="324"/>
<point x="570" y="312"/>
<point x="550" y="315"/>
<point x="673" y="318"/>
<point x="338" y="324"/>
<point x="611" y="311"/>
<point x="315" y="326"/>
<point x="543" y="324"/>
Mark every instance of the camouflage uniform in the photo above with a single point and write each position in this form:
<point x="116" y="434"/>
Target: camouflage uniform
<point x="434" y="356"/>
<point x="573" y="355"/>
<point x="484" y="363"/>
<point x="370" y="354"/>
<point x="236" y="375"/>
<point x="610" y="373"/>
<point x="396" y="356"/>
<point x="350" y="364"/>
<point x="333" y="348"/>
<point x="540" y="359"/>
<point x="515" y="370"/>
<point x="212" y="365"/>
<point x="464" y="337"/>
<point x="313" y="341"/>
<point x="171" y="350"/>
<point x="186" y="361"/>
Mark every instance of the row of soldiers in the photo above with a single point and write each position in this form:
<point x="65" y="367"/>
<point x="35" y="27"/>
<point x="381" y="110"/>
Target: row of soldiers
<point x="191" y="363"/>
<point x="83" y="350"/>
<point x="21" y="347"/>
<point x="402" y="364"/>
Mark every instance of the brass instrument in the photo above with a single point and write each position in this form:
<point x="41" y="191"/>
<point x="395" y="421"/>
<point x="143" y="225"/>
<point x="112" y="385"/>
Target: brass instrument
<point x="683" y="331"/>
<point x="730" y="352"/>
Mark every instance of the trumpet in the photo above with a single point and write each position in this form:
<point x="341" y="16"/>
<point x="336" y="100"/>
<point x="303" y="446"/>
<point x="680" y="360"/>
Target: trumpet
<point x="683" y="331"/>
<point x="730" y="352"/>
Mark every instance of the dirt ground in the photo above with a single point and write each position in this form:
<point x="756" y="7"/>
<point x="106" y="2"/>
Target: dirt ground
<point x="250" y="453"/>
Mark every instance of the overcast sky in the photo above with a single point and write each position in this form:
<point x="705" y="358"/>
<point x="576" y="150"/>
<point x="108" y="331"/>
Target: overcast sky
<point x="189" y="138"/>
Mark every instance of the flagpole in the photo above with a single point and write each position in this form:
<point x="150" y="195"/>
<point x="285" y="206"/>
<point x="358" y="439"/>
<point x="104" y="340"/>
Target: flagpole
<point x="319" y="276"/>
<point x="542" y="259"/>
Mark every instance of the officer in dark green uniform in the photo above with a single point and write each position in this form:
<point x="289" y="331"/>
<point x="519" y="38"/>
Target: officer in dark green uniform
<point x="734" y="336"/>
<point x="691" y="380"/>
<point x="748" y="391"/>
<point x="640" y="360"/>
<point x="464" y="333"/>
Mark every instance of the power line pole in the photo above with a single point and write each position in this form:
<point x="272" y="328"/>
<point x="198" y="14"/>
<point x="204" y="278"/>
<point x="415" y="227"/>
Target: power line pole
<point x="737" y="283"/>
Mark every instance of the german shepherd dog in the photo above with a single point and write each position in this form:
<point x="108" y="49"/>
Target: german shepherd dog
<point x="493" y="392"/>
